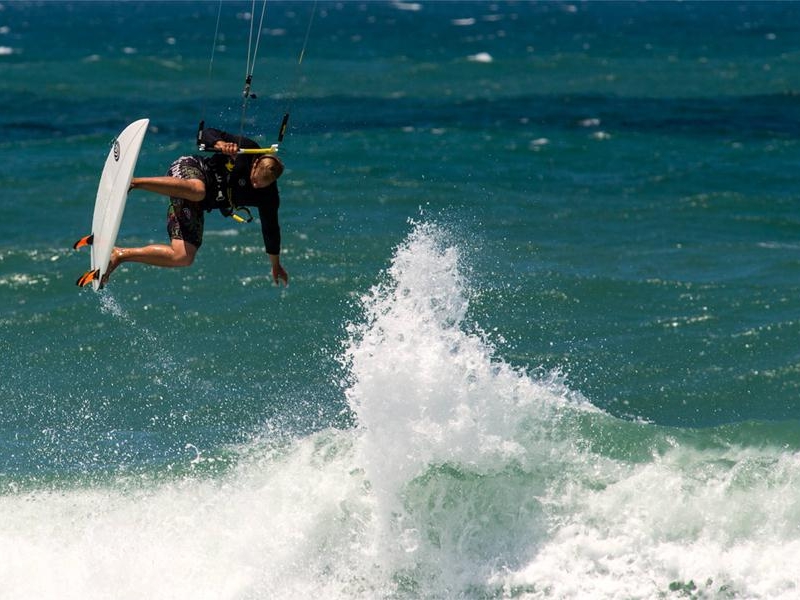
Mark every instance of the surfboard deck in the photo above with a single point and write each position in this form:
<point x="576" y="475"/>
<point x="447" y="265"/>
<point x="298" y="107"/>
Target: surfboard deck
<point x="109" y="205"/>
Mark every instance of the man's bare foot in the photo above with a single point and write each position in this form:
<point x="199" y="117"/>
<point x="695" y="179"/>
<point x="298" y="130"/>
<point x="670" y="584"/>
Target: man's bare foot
<point x="116" y="260"/>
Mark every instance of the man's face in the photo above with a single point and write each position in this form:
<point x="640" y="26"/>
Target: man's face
<point x="262" y="174"/>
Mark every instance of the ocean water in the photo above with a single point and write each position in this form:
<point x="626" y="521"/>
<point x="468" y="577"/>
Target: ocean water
<point x="542" y="333"/>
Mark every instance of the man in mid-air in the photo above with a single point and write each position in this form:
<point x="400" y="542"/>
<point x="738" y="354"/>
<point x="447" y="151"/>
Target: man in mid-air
<point x="226" y="181"/>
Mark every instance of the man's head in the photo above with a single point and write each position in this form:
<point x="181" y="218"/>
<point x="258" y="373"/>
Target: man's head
<point x="265" y="171"/>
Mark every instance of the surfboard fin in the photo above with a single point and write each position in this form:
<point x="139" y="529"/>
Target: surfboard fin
<point x="87" y="240"/>
<point x="88" y="277"/>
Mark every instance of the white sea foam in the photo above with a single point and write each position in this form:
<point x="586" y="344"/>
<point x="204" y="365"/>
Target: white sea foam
<point x="720" y="524"/>
<point x="420" y="380"/>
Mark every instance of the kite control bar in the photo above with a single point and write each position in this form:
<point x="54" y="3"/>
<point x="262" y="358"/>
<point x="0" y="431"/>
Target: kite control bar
<point x="273" y="149"/>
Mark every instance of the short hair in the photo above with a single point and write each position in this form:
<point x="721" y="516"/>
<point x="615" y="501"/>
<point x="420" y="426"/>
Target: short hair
<point x="275" y="167"/>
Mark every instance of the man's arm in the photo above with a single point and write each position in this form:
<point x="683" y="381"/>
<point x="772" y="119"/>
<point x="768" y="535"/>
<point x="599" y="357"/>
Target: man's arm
<point x="224" y="141"/>
<point x="271" y="232"/>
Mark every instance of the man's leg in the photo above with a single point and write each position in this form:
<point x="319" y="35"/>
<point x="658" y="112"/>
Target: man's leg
<point x="179" y="254"/>
<point x="185" y="218"/>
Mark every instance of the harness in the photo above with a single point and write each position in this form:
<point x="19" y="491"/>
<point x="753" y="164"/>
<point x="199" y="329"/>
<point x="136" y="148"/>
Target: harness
<point x="234" y="211"/>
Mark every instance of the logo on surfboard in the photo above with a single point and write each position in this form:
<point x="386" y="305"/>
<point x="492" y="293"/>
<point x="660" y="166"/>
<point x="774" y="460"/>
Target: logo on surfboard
<point x="116" y="150"/>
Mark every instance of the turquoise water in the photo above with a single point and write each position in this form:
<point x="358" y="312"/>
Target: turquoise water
<point x="540" y="338"/>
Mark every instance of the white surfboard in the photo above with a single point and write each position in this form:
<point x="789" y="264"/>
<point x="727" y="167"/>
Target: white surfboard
<point x="112" y="192"/>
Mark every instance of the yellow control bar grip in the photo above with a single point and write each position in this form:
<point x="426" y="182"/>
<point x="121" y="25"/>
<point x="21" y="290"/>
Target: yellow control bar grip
<point x="271" y="150"/>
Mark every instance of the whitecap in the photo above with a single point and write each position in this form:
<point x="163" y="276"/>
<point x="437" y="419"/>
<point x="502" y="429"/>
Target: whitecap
<point x="409" y="6"/>
<point x="481" y="57"/>
<point x="223" y="232"/>
<point x="539" y="143"/>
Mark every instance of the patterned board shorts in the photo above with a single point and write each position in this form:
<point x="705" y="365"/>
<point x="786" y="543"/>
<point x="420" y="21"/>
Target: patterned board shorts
<point x="185" y="219"/>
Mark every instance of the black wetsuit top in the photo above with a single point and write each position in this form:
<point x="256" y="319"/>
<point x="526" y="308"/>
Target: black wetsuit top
<point x="223" y="182"/>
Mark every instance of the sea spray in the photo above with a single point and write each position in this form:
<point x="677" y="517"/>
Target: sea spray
<point x="444" y="422"/>
<point x="418" y="375"/>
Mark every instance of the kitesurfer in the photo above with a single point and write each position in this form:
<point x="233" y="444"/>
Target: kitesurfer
<point x="227" y="181"/>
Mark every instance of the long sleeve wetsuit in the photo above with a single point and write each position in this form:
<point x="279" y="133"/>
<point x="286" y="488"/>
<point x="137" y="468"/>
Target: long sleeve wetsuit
<point x="229" y="186"/>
